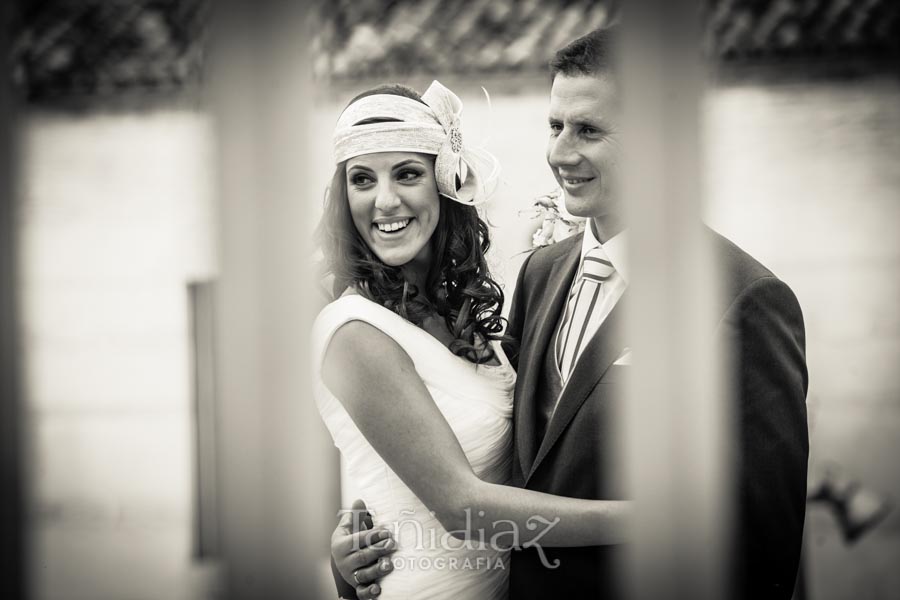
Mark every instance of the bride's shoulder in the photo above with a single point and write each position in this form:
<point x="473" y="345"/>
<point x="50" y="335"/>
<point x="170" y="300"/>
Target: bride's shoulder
<point x="348" y="302"/>
<point x="368" y="330"/>
<point x="354" y="318"/>
<point x="359" y="349"/>
<point x="349" y="292"/>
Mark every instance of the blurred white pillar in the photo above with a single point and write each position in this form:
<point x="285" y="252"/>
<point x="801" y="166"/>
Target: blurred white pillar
<point x="674" y="418"/>
<point x="277" y="478"/>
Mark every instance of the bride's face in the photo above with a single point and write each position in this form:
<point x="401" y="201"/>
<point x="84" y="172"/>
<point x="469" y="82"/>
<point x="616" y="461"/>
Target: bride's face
<point x="394" y="204"/>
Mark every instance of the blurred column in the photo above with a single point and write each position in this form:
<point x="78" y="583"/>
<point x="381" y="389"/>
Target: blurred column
<point x="12" y="504"/>
<point x="277" y="479"/>
<point x="673" y="417"/>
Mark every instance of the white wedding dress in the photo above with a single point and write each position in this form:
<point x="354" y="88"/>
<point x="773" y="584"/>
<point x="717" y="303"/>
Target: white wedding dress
<point x="477" y="403"/>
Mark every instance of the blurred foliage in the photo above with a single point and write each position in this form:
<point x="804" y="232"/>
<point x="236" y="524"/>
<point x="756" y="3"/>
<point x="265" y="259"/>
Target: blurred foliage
<point x="769" y="30"/>
<point x="105" y="48"/>
<point x="374" y="38"/>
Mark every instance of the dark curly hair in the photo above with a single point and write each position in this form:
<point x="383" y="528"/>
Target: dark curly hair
<point x="458" y="287"/>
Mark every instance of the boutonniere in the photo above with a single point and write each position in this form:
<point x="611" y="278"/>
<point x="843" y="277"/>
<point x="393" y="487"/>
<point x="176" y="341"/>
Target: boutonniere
<point x="556" y="223"/>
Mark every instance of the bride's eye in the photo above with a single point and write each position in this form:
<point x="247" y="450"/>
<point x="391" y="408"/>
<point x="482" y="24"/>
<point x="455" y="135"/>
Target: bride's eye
<point x="360" y="179"/>
<point x="408" y="175"/>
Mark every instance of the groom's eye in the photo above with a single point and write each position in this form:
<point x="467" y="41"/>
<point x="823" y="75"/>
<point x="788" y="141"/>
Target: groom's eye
<point x="555" y="126"/>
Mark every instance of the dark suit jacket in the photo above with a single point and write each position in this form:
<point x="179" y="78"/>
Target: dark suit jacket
<point x="762" y="324"/>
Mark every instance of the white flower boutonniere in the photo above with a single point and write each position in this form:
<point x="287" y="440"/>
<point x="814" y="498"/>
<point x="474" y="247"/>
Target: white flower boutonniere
<point x="556" y="223"/>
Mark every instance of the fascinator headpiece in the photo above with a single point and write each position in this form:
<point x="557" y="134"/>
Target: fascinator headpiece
<point x="465" y="174"/>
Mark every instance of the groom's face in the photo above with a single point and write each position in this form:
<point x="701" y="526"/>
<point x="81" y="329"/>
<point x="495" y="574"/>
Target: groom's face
<point x="583" y="149"/>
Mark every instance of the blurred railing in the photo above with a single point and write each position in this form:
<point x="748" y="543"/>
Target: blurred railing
<point x="103" y="49"/>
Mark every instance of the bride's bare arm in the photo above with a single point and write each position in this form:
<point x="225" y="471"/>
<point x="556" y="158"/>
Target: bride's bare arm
<point x="378" y="385"/>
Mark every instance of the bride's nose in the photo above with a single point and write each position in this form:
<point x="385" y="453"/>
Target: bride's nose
<point x="387" y="198"/>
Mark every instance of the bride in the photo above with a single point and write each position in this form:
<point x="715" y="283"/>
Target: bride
<point x="410" y="376"/>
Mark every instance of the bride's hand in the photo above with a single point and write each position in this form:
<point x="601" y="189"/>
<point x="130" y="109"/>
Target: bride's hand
<point x="361" y="556"/>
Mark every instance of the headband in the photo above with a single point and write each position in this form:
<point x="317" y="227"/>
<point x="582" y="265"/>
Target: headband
<point x="466" y="175"/>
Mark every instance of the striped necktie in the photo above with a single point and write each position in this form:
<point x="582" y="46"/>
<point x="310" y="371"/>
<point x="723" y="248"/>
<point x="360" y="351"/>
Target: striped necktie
<point x="584" y="297"/>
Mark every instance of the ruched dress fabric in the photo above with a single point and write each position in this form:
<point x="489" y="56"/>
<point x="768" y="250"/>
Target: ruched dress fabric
<point x="476" y="401"/>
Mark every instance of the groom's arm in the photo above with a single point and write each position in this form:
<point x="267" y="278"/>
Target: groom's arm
<point x="517" y="316"/>
<point x="766" y="332"/>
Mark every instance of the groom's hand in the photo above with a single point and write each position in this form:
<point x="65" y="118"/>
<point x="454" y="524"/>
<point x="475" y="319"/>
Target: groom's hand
<point x="360" y="552"/>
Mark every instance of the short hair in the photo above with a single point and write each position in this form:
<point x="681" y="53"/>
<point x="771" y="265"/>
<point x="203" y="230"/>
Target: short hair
<point x="591" y="54"/>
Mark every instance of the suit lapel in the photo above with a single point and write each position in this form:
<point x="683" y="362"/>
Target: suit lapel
<point x="598" y="355"/>
<point x="543" y="323"/>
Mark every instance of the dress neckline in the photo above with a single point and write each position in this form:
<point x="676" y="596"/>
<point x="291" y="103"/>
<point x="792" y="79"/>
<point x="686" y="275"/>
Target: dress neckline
<point x="502" y="361"/>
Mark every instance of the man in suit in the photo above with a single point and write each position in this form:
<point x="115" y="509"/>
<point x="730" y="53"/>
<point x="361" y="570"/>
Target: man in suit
<point x="566" y="315"/>
<point x="570" y="356"/>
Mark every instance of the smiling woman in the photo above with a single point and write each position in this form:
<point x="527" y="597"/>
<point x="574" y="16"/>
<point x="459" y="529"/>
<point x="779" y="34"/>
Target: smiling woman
<point x="391" y="232"/>
<point x="394" y="203"/>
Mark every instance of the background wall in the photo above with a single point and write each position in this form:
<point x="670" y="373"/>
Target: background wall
<point x="115" y="219"/>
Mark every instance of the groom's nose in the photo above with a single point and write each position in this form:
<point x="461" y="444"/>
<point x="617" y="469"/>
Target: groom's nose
<point x="562" y="152"/>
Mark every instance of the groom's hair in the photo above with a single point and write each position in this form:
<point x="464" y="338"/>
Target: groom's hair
<point x="591" y="54"/>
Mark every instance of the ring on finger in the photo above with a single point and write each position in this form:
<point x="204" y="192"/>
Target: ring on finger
<point x="356" y="577"/>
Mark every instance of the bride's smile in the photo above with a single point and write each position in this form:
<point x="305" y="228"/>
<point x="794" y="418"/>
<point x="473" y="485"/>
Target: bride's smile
<point x="392" y="226"/>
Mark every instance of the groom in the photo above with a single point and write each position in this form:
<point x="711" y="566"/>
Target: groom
<point x="566" y="316"/>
